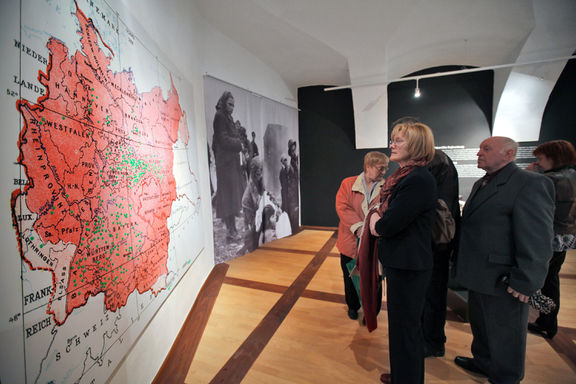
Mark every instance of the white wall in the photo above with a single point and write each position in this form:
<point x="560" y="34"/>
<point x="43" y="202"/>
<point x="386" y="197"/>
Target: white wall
<point x="194" y="48"/>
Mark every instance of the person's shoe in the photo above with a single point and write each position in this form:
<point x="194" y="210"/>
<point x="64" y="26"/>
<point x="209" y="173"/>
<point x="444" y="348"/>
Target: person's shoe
<point x="433" y="352"/>
<point x="386" y="378"/>
<point x="468" y="364"/>
<point x="232" y="237"/>
<point x="540" y="330"/>
<point x="353" y="314"/>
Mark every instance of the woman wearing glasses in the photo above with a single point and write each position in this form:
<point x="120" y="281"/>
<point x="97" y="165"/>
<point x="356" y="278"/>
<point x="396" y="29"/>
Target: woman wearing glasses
<point x="404" y="226"/>
<point x="355" y="197"/>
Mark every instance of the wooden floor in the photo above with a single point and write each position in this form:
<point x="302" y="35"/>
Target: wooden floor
<point x="277" y="315"/>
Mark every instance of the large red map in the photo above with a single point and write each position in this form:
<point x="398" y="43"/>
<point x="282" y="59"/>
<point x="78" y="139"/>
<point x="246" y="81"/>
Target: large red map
<point x="98" y="158"/>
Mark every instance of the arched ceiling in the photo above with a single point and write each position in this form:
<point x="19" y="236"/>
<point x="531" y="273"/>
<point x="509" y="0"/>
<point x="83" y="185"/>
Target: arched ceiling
<point x="359" y="42"/>
<point x="336" y="42"/>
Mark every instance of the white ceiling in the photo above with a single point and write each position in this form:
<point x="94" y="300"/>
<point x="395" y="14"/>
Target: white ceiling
<point x="369" y="43"/>
<point x="338" y="42"/>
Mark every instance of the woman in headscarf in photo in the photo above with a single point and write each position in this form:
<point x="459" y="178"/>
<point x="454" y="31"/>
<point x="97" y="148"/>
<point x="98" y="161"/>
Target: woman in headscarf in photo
<point x="227" y="146"/>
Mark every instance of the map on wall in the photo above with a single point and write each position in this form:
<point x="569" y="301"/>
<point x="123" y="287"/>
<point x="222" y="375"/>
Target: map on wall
<point x="102" y="208"/>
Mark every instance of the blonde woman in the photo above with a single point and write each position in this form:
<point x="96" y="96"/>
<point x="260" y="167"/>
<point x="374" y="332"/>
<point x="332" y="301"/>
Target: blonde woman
<point x="404" y="226"/>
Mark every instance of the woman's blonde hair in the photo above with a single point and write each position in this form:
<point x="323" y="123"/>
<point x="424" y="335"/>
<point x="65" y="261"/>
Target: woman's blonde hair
<point x="419" y="139"/>
<point x="375" y="157"/>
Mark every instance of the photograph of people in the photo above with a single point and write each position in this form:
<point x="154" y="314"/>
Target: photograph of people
<point x="227" y="146"/>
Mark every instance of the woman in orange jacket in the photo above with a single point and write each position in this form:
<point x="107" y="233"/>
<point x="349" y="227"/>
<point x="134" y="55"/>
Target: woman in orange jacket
<point x="357" y="194"/>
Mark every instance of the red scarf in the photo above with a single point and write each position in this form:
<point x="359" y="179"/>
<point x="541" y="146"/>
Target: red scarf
<point x="394" y="179"/>
<point x="367" y="265"/>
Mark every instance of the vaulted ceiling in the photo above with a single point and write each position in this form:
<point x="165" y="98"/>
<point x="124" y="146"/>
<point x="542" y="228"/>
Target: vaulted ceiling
<point x="338" y="42"/>
<point x="364" y="43"/>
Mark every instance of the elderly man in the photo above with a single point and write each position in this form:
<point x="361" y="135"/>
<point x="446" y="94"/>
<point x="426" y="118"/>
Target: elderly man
<point x="357" y="194"/>
<point x="505" y="244"/>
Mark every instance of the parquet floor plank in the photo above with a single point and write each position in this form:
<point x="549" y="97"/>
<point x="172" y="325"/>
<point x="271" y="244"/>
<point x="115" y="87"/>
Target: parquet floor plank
<point x="280" y="318"/>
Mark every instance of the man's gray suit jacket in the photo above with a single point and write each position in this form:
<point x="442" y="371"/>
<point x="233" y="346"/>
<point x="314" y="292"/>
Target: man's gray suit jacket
<point x="507" y="229"/>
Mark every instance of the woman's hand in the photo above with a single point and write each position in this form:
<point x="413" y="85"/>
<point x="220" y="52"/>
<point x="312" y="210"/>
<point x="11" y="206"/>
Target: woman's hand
<point x="373" y="220"/>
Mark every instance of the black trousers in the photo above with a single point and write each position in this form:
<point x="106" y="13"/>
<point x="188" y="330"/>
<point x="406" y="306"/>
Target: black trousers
<point x="406" y="291"/>
<point x="352" y="299"/>
<point x="434" y="316"/>
<point x="551" y="289"/>
<point x="499" y="327"/>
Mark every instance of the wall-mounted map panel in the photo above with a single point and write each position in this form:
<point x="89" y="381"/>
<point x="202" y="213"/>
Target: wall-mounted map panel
<point x="100" y="189"/>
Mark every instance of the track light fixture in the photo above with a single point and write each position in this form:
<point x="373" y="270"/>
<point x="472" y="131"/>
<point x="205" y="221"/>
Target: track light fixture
<point x="449" y="73"/>
<point x="417" y="90"/>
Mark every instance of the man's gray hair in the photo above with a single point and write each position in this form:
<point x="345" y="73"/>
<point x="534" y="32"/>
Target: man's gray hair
<point x="508" y="143"/>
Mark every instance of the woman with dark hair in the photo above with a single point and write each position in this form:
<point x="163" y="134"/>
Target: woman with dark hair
<point x="556" y="160"/>
<point x="404" y="225"/>
<point x="227" y="145"/>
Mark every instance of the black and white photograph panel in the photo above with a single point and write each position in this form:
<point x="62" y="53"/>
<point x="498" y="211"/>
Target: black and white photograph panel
<point x="254" y="168"/>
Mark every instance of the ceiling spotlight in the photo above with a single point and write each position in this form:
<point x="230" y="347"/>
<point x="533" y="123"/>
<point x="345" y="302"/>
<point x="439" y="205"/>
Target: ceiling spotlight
<point x="417" y="90"/>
